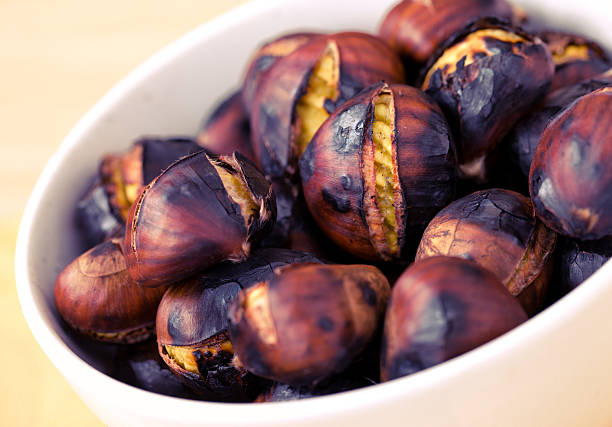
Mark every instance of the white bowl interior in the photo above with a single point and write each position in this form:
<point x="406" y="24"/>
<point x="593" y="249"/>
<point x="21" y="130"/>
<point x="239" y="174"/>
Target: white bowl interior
<point x="169" y="95"/>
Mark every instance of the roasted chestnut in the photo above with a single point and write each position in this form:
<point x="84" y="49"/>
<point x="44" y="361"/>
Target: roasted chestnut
<point x="522" y="141"/>
<point x="416" y="28"/>
<point x="571" y="177"/>
<point x="576" y="261"/>
<point x="304" y="87"/>
<point x="307" y="322"/>
<point x="440" y="308"/>
<point x="95" y="295"/>
<point x="192" y="325"/>
<point x="104" y="207"/>
<point x="264" y="58"/>
<point x="378" y="170"/>
<point x="200" y="211"/>
<point x="498" y="230"/>
<point x="227" y="129"/>
<point x="486" y="78"/>
<point x="576" y="58"/>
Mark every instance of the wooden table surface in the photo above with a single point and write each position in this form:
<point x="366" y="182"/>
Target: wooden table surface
<point x="57" y="58"/>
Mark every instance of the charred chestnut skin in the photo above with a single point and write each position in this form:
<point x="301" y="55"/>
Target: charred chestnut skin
<point x="227" y="129"/>
<point x="308" y="322"/>
<point x="442" y="307"/>
<point x="576" y="58"/>
<point x="483" y="99"/>
<point x="185" y="220"/>
<point x="416" y="28"/>
<point x="570" y="176"/>
<point x="274" y="123"/>
<point x="522" y="141"/>
<point x="193" y="316"/>
<point x="264" y="58"/>
<point x="497" y="229"/>
<point x="334" y="171"/>
<point x="95" y="295"/>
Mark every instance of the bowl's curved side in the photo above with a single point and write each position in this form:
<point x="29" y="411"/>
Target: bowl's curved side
<point x="549" y="371"/>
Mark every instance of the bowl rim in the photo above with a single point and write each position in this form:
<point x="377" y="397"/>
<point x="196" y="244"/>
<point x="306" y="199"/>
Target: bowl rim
<point x="134" y="398"/>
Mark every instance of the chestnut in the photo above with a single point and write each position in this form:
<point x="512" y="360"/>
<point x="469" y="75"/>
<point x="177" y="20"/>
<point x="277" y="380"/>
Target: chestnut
<point x="485" y="79"/>
<point x="303" y="88"/>
<point x="227" y="129"/>
<point x="416" y="28"/>
<point x="264" y="58"/>
<point x="497" y="229"/>
<point x="95" y="295"/>
<point x="200" y="211"/>
<point x="522" y="141"/>
<point x="577" y="260"/>
<point x="570" y="177"/>
<point x="307" y="322"/>
<point x="102" y="210"/>
<point x="576" y="58"/>
<point x="192" y="325"/>
<point x="442" y="307"/>
<point x="379" y="168"/>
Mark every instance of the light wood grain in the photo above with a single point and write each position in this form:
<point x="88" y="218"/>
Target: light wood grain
<point x="57" y="58"/>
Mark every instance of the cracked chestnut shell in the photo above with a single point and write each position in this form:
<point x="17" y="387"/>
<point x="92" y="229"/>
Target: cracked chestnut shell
<point x="442" y="307"/>
<point x="103" y="209"/>
<point x="192" y="334"/>
<point x="576" y="58"/>
<point x="498" y="230"/>
<point x="378" y="170"/>
<point x="485" y="79"/>
<point x="95" y="295"/>
<point x="304" y="87"/>
<point x="307" y="322"/>
<point x="264" y="58"/>
<point x="416" y="28"/>
<point x="200" y="211"/>
<point x="227" y="129"/>
<point x="522" y="141"/>
<point x="570" y="177"/>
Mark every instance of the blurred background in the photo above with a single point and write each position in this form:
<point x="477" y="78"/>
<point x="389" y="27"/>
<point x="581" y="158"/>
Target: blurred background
<point x="57" y="58"/>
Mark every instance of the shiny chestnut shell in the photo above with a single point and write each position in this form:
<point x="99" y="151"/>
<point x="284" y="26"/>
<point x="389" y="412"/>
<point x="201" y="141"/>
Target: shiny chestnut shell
<point x="192" y="316"/>
<point x="442" y="307"/>
<point x="307" y="322"/>
<point x="485" y="79"/>
<point x="339" y="168"/>
<point x="359" y="60"/>
<point x="227" y="129"/>
<point x="416" y="28"/>
<point x="95" y="295"/>
<point x="570" y="177"/>
<point x="185" y="220"/>
<point x="497" y="229"/>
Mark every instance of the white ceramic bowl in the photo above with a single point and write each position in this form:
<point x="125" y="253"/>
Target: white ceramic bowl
<point x="552" y="370"/>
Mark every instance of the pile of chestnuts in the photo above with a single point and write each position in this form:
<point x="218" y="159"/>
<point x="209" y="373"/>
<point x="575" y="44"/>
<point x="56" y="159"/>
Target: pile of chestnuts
<point x="362" y="208"/>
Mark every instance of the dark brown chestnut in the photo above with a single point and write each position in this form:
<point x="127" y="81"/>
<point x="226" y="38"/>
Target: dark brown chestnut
<point x="522" y="141"/>
<point x="442" y="307"/>
<point x="264" y="58"/>
<point x="416" y="28"/>
<point x="498" y="230"/>
<point x="485" y="79"/>
<point x="307" y="322"/>
<point x="303" y="88"/>
<point x="576" y="58"/>
<point x="227" y="129"/>
<point x="200" y="211"/>
<point x="95" y="295"/>
<point x="571" y="177"/>
<point x="378" y="170"/>
<point x="192" y="325"/>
